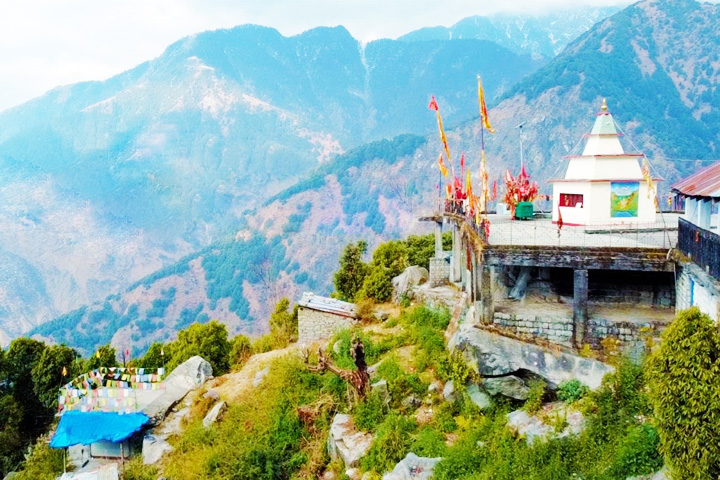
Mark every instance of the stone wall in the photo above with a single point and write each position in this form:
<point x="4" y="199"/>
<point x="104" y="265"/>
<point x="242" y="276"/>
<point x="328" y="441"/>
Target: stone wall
<point x="439" y="271"/>
<point x="559" y="330"/>
<point x="553" y="329"/>
<point x="314" y="325"/>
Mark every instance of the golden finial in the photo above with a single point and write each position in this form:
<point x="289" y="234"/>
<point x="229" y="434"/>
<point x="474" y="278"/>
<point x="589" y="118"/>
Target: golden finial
<point x="604" y="105"/>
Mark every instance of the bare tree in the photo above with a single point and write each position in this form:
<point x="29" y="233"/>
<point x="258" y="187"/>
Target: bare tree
<point x="358" y="380"/>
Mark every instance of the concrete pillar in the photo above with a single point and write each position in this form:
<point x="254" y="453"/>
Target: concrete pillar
<point x="704" y="209"/>
<point x="486" y="294"/>
<point x="438" y="239"/>
<point x="691" y="210"/>
<point x="580" y="308"/>
<point x="456" y="262"/>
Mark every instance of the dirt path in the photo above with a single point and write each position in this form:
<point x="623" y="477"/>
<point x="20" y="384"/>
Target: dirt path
<point x="232" y="385"/>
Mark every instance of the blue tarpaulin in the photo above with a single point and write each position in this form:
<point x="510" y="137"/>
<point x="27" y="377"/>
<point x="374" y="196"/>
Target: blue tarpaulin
<point x="90" y="427"/>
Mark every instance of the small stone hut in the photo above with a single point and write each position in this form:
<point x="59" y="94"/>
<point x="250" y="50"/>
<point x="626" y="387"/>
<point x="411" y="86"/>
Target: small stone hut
<point x="319" y="318"/>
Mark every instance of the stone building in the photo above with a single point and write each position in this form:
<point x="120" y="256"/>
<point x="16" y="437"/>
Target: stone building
<point x="319" y="318"/>
<point x="698" y="272"/>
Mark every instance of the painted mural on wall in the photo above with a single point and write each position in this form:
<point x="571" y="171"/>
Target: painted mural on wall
<point x="624" y="199"/>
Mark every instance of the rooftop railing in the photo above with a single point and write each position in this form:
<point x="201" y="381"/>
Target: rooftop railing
<point x="701" y="246"/>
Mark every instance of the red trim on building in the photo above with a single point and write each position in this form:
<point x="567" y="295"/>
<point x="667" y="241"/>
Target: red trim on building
<point x="601" y="180"/>
<point x="623" y="155"/>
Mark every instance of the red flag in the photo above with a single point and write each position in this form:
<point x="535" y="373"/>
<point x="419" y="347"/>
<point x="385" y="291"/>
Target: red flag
<point x="433" y="104"/>
<point x="462" y="162"/>
<point x="494" y="190"/>
<point x="559" y="222"/>
<point x="127" y="352"/>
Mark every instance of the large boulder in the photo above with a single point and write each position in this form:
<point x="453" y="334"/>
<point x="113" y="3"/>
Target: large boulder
<point x="509" y="386"/>
<point x="478" y="397"/>
<point x="413" y="467"/>
<point x="345" y="442"/>
<point x="534" y="428"/>
<point x="407" y="280"/>
<point x="188" y="376"/>
<point x="494" y="355"/>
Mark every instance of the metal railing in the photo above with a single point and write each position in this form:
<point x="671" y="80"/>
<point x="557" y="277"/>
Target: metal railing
<point x="503" y="230"/>
<point x="701" y="246"/>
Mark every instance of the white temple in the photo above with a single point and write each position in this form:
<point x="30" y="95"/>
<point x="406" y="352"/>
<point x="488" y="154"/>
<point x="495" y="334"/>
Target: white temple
<point x="604" y="185"/>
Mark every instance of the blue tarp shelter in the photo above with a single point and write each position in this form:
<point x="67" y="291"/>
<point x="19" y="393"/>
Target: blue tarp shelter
<point x="86" y="428"/>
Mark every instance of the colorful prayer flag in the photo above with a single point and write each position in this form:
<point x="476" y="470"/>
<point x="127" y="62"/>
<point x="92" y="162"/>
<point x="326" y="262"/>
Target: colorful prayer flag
<point x="483" y="108"/>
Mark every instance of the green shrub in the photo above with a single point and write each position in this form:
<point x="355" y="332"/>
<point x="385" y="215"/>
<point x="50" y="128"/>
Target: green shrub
<point x="454" y="367"/>
<point x="637" y="453"/>
<point x="135" y="469"/>
<point x="461" y="460"/>
<point x="391" y="444"/>
<point x="241" y="350"/>
<point x="535" y="397"/>
<point x="444" y="418"/>
<point x="370" y="413"/>
<point x="340" y="348"/>
<point x="44" y="463"/>
<point x="571" y="391"/>
<point x="684" y="381"/>
<point x="401" y="384"/>
<point x="427" y="327"/>
<point x="263" y="344"/>
<point x="428" y="442"/>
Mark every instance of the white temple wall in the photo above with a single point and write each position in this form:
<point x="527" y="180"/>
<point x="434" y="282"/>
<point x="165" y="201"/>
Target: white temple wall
<point x="596" y="209"/>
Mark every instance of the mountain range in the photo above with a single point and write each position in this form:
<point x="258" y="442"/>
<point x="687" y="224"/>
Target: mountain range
<point x="656" y="62"/>
<point x="106" y="182"/>
<point x="543" y="35"/>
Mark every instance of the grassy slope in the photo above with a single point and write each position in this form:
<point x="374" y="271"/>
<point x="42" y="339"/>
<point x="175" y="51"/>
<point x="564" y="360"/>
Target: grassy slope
<point x="263" y="436"/>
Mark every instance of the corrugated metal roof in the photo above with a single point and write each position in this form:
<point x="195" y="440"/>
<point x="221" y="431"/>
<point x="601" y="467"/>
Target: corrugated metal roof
<point x="325" y="304"/>
<point x="703" y="183"/>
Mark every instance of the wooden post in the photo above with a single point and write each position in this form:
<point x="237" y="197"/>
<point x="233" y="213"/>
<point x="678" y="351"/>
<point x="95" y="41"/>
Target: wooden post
<point x="486" y="295"/>
<point x="580" y="310"/>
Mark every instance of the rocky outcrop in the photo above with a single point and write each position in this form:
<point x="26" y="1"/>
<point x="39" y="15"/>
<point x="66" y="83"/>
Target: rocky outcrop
<point x="509" y="386"/>
<point x="478" y="397"/>
<point x="407" y="280"/>
<point x="214" y="414"/>
<point x="413" y="467"/>
<point x="345" y="442"/>
<point x="493" y="355"/>
<point x="188" y="376"/>
<point x="154" y="448"/>
<point x="536" y="427"/>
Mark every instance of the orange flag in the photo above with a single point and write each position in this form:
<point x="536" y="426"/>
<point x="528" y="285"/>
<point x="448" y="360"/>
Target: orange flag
<point x="441" y="166"/>
<point x="648" y="178"/>
<point x="64" y="372"/>
<point x="434" y="106"/>
<point x="483" y="108"/>
<point x="468" y="191"/>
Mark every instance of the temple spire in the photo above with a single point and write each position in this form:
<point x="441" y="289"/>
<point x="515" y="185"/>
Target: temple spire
<point x="604" y="105"/>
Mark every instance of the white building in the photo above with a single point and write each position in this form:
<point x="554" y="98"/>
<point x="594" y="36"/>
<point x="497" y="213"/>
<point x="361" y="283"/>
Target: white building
<point x="604" y="185"/>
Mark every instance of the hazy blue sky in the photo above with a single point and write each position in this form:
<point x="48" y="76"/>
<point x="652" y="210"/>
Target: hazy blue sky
<point x="45" y="43"/>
